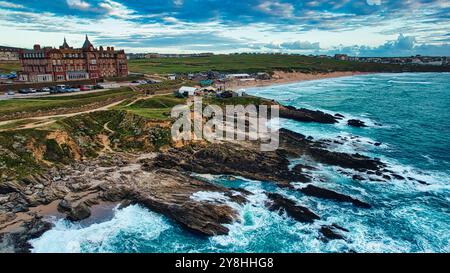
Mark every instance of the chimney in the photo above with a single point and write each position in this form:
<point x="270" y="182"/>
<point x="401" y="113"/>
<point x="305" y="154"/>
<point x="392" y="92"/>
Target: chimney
<point x="37" y="47"/>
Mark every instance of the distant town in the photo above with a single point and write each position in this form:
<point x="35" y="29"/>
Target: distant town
<point x="411" y="60"/>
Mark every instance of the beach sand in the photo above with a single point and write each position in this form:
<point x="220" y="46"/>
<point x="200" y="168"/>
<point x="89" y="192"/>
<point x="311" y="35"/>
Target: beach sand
<point x="280" y="77"/>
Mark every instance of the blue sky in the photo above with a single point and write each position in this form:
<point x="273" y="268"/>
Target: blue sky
<point x="356" y="27"/>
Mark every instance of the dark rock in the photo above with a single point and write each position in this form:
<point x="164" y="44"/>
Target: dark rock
<point x="282" y="204"/>
<point x="311" y="190"/>
<point x="377" y="144"/>
<point x="339" y="116"/>
<point x="356" y="161"/>
<point x="74" y="212"/>
<point x="305" y="115"/>
<point x="231" y="159"/>
<point x="358" y="177"/>
<point x="18" y="240"/>
<point x="356" y="123"/>
<point x="329" y="233"/>
<point x="399" y="177"/>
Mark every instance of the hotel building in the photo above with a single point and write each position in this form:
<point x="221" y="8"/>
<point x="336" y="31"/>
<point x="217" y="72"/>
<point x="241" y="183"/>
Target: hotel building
<point x="49" y="64"/>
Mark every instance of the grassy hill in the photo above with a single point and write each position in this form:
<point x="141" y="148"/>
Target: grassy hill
<point x="261" y="62"/>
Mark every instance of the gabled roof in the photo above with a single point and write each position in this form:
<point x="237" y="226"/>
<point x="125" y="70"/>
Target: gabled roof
<point x="65" y="44"/>
<point x="87" y="44"/>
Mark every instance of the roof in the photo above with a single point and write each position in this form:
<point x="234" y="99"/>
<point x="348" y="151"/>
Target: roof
<point x="87" y="44"/>
<point x="187" y="89"/>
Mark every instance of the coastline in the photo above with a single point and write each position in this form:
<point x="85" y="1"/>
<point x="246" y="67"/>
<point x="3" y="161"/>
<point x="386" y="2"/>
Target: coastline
<point x="280" y="77"/>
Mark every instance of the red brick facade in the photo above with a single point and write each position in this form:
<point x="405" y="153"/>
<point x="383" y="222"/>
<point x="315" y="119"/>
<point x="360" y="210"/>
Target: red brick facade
<point x="66" y="63"/>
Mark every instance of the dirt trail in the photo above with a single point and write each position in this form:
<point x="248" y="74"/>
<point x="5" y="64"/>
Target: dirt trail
<point x="46" y="120"/>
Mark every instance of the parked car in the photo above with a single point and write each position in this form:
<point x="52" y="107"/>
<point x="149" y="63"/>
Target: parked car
<point x="98" y="86"/>
<point x="32" y="90"/>
<point x="86" y="87"/>
<point x="10" y="93"/>
<point x="23" y="91"/>
<point x="44" y="89"/>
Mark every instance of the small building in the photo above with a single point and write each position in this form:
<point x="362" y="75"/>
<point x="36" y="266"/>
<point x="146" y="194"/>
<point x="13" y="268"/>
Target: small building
<point x="263" y="76"/>
<point x="187" y="91"/>
<point x="206" y="82"/>
<point x="341" y="57"/>
<point x="238" y="76"/>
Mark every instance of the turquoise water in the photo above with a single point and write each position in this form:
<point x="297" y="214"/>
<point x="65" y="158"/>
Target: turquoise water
<point x="408" y="113"/>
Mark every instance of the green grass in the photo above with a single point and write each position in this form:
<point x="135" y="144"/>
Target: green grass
<point x="259" y="63"/>
<point x="7" y="68"/>
<point x="156" y="108"/>
<point x="45" y="104"/>
<point x="247" y="100"/>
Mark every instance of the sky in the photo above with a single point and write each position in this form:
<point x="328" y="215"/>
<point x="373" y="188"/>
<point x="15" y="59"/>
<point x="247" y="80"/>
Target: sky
<point x="354" y="27"/>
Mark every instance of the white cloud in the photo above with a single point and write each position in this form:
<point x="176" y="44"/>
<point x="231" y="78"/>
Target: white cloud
<point x="5" y="4"/>
<point x="276" y="9"/>
<point x="178" y="2"/>
<point x="78" y="4"/>
<point x="116" y="9"/>
<point x="374" y="2"/>
<point x="170" y="19"/>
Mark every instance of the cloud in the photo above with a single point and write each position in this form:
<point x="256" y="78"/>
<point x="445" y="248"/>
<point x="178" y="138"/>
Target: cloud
<point x="356" y="26"/>
<point x="116" y="9"/>
<point x="78" y="4"/>
<point x="402" y="46"/>
<point x="293" y="46"/>
<point x="374" y="2"/>
<point x="276" y="8"/>
<point x="5" y="4"/>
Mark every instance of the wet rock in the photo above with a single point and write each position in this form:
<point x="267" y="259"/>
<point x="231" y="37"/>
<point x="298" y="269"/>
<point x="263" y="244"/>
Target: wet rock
<point x="311" y="190"/>
<point x="282" y="204"/>
<point x="356" y="161"/>
<point x="358" y="177"/>
<point x="339" y="116"/>
<point x="356" y="123"/>
<point x="305" y="115"/>
<point x="398" y="177"/>
<point x="330" y="233"/>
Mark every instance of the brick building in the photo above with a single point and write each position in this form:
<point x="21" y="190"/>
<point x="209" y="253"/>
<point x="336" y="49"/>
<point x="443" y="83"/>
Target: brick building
<point x="49" y="64"/>
<point x="9" y="54"/>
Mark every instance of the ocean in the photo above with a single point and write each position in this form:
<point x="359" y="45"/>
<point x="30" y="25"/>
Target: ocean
<point x="409" y="114"/>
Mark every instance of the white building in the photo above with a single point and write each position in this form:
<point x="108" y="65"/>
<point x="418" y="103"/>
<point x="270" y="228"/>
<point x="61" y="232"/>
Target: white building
<point x="186" y="90"/>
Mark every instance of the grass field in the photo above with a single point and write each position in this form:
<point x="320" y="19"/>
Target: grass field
<point x="8" y="107"/>
<point x="7" y="68"/>
<point x="258" y="63"/>
<point x="157" y="107"/>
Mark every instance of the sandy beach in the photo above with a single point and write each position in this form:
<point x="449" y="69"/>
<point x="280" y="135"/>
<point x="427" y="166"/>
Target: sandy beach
<point x="280" y="77"/>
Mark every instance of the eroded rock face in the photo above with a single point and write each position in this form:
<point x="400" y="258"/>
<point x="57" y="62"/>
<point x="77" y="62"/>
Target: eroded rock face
<point x="17" y="241"/>
<point x="173" y="194"/>
<point x="232" y="159"/>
